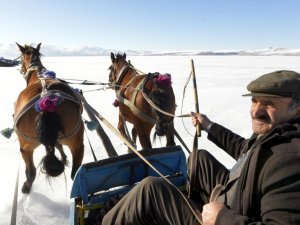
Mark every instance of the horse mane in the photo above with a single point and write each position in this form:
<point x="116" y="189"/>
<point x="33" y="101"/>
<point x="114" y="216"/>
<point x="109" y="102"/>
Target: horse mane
<point x="161" y="90"/>
<point x="121" y="57"/>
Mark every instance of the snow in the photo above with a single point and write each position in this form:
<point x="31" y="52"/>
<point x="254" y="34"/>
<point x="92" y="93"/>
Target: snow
<point x="10" y="50"/>
<point x="221" y="81"/>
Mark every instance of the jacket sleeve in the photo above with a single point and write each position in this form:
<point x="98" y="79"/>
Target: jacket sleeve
<point x="227" y="140"/>
<point x="279" y="191"/>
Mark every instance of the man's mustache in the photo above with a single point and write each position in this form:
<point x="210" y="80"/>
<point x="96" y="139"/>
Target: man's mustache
<point x="263" y="118"/>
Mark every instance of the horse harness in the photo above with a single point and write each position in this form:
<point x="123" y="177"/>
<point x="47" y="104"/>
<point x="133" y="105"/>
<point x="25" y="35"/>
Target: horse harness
<point x="131" y="102"/>
<point x="45" y="91"/>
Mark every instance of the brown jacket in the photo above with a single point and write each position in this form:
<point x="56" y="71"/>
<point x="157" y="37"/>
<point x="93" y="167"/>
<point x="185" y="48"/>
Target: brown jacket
<point x="268" y="189"/>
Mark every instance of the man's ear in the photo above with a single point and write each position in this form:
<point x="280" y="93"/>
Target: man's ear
<point x="298" y="110"/>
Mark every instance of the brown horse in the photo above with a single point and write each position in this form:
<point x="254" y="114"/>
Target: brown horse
<point x="48" y="111"/>
<point x="131" y="89"/>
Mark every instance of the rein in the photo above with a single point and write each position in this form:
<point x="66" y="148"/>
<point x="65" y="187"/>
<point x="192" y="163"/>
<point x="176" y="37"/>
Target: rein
<point x="152" y="103"/>
<point x="83" y="82"/>
<point x="159" y="109"/>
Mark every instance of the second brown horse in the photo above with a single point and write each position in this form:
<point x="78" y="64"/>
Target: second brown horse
<point x="131" y="89"/>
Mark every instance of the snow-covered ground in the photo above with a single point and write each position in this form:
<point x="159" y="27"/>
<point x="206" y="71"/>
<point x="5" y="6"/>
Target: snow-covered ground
<point x="221" y="81"/>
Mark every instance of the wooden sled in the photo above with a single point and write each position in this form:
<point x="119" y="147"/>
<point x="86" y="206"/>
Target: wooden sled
<point x="97" y="182"/>
<point x="8" y="62"/>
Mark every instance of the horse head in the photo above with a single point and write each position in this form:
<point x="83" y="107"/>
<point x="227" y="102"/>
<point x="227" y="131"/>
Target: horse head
<point x="163" y="126"/>
<point x="117" y="67"/>
<point x="30" y="57"/>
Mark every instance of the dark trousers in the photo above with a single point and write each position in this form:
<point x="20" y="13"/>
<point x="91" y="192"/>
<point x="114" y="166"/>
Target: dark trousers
<point x="209" y="173"/>
<point x="155" y="202"/>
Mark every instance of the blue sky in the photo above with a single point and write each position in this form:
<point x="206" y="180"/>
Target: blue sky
<point x="153" y="24"/>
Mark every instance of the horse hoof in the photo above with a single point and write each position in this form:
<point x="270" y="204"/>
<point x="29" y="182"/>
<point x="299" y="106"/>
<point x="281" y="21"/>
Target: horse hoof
<point x="26" y="187"/>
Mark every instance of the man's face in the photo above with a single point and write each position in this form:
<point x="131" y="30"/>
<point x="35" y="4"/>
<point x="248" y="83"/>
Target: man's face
<point x="267" y="112"/>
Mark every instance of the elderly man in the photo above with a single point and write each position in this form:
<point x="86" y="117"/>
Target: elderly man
<point x="262" y="188"/>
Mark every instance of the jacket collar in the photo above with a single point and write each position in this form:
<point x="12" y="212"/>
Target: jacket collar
<point x="282" y="133"/>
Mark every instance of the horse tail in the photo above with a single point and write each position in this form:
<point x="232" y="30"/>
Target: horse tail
<point x="163" y="96"/>
<point x="48" y="126"/>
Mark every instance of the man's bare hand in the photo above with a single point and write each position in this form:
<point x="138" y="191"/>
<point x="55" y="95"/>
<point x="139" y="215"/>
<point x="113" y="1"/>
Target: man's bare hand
<point x="198" y="118"/>
<point x="210" y="212"/>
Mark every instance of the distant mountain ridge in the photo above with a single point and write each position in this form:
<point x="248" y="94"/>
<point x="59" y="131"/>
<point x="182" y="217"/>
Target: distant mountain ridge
<point x="10" y="50"/>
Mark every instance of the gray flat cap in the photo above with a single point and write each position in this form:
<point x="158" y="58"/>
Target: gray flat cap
<point x="283" y="83"/>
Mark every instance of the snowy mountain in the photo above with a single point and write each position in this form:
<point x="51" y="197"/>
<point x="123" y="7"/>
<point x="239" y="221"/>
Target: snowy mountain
<point x="10" y="50"/>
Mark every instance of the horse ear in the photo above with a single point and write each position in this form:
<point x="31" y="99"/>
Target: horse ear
<point x="38" y="46"/>
<point x="22" y="49"/>
<point x="124" y="56"/>
<point x="112" y="56"/>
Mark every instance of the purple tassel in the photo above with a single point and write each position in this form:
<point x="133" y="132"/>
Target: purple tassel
<point x="48" y="74"/>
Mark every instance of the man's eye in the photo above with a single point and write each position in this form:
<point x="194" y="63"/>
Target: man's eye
<point x="254" y="100"/>
<point x="270" y="104"/>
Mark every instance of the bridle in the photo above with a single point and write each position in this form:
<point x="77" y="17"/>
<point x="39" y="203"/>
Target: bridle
<point x="118" y="76"/>
<point x="34" y="64"/>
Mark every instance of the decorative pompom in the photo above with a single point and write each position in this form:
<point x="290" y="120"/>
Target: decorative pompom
<point x="91" y="125"/>
<point x="7" y="132"/>
<point x="116" y="103"/>
<point x="48" y="74"/>
<point x="47" y="103"/>
<point x="77" y="90"/>
<point x="163" y="80"/>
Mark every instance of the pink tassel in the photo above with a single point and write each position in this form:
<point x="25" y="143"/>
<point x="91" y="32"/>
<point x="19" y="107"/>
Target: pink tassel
<point x="47" y="104"/>
<point x="163" y="80"/>
<point x="116" y="103"/>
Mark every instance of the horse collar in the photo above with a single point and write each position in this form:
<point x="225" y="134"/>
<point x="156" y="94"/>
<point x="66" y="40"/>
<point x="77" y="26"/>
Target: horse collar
<point x="29" y="72"/>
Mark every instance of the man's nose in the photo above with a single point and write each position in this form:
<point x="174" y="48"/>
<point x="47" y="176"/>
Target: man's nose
<point x="258" y="109"/>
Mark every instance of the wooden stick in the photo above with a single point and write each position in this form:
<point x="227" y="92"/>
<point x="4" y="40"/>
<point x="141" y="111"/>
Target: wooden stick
<point x="196" y="96"/>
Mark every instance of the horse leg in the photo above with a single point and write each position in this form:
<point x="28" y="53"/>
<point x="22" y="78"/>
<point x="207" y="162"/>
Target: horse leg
<point x="170" y="135"/>
<point x="133" y="141"/>
<point x="76" y="146"/>
<point x="143" y="133"/>
<point x="77" y="155"/>
<point x="134" y="135"/>
<point x="121" y="128"/>
<point x="170" y="140"/>
<point x="30" y="170"/>
<point x="61" y="151"/>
